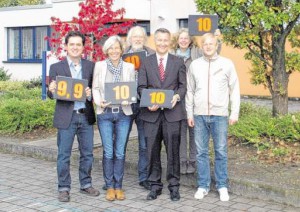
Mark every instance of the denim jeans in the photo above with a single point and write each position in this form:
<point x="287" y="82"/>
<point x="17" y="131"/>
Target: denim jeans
<point x="143" y="160"/>
<point x="65" y="138"/>
<point x="217" y="127"/>
<point x="114" y="130"/>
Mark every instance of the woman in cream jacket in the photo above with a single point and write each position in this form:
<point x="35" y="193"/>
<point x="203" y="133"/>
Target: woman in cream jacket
<point x="113" y="120"/>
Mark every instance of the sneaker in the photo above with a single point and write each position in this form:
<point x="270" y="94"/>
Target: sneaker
<point x="191" y="168"/>
<point x="200" y="193"/>
<point x="90" y="191"/>
<point x="63" y="196"/>
<point x="183" y="167"/>
<point x="224" y="197"/>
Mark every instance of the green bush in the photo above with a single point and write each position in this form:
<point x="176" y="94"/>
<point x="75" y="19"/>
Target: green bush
<point x="22" y="109"/>
<point x="257" y="126"/>
<point x="19" y="116"/>
<point x="4" y="76"/>
<point x="34" y="82"/>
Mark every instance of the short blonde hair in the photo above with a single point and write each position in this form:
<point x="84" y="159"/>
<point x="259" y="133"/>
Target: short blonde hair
<point x="132" y="31"/>
<point x="110" y="42"/>
<point x="208" y="35"/>
<point x="175" y="45"/>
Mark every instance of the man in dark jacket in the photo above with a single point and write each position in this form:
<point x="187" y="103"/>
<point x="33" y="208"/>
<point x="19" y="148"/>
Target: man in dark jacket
<point x="74" y="118"/>
<point x="163" y="71"/>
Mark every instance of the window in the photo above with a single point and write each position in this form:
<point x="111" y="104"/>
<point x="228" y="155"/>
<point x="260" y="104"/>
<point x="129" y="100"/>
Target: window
<point x="26" y="44"/>
<point x="183" y="23"/>
<point x="145" y="24"/>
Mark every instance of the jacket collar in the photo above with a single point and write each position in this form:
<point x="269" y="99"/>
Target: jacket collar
<point x="213" y="58"/>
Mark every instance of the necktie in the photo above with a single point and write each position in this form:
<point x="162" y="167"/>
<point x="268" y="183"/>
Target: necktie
<point x="161" y="69"/>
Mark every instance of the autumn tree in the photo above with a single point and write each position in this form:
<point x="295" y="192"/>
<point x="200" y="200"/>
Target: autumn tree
<point x="96" y="21"/>
<point x="12" y="3"/>
<point x="265" y="28"/>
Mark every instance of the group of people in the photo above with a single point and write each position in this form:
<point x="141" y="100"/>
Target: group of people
<point x="204" y="83"/>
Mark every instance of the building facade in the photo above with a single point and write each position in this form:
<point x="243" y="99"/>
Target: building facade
<point x="23" y="28"/>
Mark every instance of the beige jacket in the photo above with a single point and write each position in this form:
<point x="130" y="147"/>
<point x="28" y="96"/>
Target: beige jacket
<point x="211" y="84"/>
<point x="100" y="71"/>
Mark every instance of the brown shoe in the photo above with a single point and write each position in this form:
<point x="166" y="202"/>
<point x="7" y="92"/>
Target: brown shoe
<point x="90" y="191"/>
<point x="120" y="195"/>
<point x="63" y="196"/>
<point x="110" y="194"/>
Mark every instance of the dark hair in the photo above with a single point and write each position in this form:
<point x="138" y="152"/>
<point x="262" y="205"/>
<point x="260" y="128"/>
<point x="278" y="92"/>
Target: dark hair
<point x="162" y="30"/>
<point x="74" y="34"/>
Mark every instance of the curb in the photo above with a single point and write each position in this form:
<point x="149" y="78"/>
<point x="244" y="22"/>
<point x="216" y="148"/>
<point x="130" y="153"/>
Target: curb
<point x="237" y="186"/>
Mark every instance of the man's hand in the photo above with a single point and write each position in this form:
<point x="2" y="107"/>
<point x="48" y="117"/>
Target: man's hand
<point x="232" y="121"/>
<point x="52" y="86"/>
<point x="153" y="108"/>
<point x="191" y="122"/>
<point x="175" y="99"/>
<point x="125" y="103"/>
<point x="88" y="92"/>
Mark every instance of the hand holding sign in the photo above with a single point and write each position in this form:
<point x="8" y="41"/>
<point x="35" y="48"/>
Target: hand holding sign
<point x="157" y="97"/>
<point x="69" y="89"/>
<point x="119" y="92"/>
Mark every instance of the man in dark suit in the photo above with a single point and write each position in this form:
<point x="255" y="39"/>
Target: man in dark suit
<point x="163" y="71"/>
<point x="74" y="118"/>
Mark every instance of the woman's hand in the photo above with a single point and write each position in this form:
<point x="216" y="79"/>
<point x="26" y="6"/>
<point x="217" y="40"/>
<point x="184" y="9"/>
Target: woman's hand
<point x="103" y="104"/>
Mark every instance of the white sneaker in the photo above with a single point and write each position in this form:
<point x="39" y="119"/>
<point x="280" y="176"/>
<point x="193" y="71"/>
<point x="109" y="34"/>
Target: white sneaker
<point x="224" y="197"/>
<point x="200" y="193"/>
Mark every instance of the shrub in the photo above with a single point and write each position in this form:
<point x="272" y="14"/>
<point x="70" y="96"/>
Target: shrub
<point x="25" y="115"/>
<point x="4" y="76"/>
<point x="10" y="85"/>
<point x="257" y="126"/>
<point x="34" y="82"/>
<point x="22" y="109"/>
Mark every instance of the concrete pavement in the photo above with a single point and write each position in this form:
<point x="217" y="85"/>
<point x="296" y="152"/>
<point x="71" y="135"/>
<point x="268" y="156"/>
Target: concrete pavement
<point x="29" y="184"/>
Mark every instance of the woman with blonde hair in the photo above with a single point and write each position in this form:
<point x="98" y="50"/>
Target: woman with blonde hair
<point x="186" y="47"/>
<point x="113" y="120"/>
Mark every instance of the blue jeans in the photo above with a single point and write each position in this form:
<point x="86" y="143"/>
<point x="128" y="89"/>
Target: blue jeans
<point x="143" y="160"/>
<point x="217" y="127"/>
<point x="114" y="130"/>
<point x="65" y="137"/>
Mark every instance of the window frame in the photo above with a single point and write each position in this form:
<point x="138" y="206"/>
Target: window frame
<point x="20" y="44"/>
<point x="183" y="23"/>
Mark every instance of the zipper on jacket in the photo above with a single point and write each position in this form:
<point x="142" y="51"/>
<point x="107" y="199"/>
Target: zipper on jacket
<point x="208" y="84"/>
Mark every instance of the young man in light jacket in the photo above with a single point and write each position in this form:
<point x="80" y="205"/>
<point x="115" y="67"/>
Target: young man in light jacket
<point x="211" y="83"/>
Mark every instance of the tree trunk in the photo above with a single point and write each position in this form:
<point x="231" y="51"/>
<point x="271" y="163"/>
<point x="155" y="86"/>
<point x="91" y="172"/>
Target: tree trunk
<point x="280" y="79"/>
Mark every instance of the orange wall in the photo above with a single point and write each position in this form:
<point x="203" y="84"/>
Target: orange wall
<point x="242" y="67"/>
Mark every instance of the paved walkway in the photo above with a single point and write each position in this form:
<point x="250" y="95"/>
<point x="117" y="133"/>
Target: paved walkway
<point x="28" y="184"/>
<point x="293" y="105"/>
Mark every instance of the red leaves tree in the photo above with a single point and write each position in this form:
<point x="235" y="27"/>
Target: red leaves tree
<point x="96" y="21"/>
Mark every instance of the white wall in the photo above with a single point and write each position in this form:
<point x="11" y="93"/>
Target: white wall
<point x="168" y="10"/>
